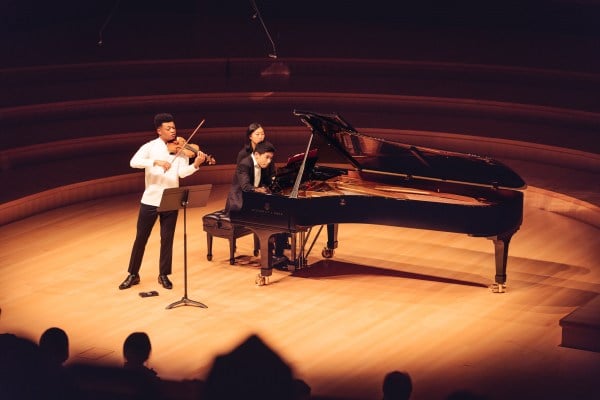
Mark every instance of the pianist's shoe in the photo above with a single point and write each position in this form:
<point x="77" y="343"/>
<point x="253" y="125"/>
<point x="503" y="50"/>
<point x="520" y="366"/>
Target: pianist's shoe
<point x="165" y="282"/>
<point x="280" y="262"/>
<point x="132" y="279"/>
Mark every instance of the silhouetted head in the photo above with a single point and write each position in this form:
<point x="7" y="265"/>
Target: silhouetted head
<point x="301" y="389"/>
<point x="22" y="372"/>
<point x="397" y="386"/>
<point x="250" y="371"/>
<point x="54" y="346"/>
<point x="137" y="348"/>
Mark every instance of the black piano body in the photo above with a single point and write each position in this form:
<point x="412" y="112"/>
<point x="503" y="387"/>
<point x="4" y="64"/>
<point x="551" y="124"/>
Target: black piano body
<point x="376" y="181"/>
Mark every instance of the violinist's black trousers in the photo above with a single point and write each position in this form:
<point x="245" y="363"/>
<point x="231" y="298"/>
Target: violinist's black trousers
<point x="146" y="219"/>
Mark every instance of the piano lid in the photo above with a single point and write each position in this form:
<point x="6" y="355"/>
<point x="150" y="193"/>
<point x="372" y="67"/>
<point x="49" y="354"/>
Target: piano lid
<point x="377" y="156"/>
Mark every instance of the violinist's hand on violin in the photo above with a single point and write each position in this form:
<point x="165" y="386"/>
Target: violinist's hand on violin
<point x="200" y="159"/>
<point x="164" y="164"/>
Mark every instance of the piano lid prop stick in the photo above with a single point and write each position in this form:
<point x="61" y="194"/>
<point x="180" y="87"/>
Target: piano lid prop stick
<point x="294" y="193"/>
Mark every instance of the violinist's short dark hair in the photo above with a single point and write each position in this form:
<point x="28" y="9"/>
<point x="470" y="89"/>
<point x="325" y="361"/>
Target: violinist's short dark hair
<point x="264" y="147"/>
<point x="161" y="118"/>
<point x="251" y="128"/>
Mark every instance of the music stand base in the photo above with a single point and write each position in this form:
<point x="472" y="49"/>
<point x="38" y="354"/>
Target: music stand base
<point x="184" y="197"/>
<point x="186" y="302"/>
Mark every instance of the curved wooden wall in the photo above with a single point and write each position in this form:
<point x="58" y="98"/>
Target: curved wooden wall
<point x="67" y="125"/>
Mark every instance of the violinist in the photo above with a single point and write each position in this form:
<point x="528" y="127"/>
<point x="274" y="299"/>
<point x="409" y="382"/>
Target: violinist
<point x="162" y="171"/>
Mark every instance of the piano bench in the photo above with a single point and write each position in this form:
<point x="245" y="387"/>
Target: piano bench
<point x="218" y="224"/>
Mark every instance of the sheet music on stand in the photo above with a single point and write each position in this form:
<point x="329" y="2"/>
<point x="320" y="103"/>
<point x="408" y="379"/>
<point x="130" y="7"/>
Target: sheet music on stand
<point x="184" y="197"/>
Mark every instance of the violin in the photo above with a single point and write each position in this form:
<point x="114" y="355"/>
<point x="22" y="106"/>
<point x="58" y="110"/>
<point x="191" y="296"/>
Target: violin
<point x="190" y="150"/>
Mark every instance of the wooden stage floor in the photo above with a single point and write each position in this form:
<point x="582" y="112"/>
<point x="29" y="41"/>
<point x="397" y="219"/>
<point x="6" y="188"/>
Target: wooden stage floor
<point x="390" y="299"/>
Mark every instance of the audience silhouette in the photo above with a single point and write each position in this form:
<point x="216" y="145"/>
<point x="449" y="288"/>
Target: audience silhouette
<point x="22" y="374"/>
<point x="250" y="371"/>
<point x="302" y="390"/>
<point x="54" y="352"/>
<point x="465" y="395"/>
<point x="136" y="351"/>
<point x="54" y="346"/>
<point x="397" y="386"/>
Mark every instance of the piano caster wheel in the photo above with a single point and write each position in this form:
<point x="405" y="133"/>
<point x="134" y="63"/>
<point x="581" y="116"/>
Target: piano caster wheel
<point x="327" y="252"/>
<point x="255" y="253"/>
<point x="498" y="287"/>
<point x="261" y="280"/>
<point x="209" y="257"/>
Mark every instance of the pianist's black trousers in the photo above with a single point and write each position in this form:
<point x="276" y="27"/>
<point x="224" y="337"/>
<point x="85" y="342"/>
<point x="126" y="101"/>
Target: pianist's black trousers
<point x="281" y="240"/>
<point x="146" y="219"/>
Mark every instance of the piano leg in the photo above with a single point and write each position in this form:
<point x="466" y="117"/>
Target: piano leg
<point x="209" y="243"/>
<point x="332" y="242"/>
<point x="266" y="267"/>
<point x="501" y="243"/>
<point x="294" y="260"/>
<point x="266" y="262"/>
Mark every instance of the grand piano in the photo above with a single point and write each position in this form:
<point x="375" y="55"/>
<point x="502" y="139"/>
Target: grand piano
<point x="345" y="176"/>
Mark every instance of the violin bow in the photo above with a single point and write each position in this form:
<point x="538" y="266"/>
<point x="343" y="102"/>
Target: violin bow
<point x="188" y="139"/>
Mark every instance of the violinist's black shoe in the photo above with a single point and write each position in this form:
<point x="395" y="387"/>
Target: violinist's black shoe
<point x="132" y="279"/>
<point x="165" y="282"/>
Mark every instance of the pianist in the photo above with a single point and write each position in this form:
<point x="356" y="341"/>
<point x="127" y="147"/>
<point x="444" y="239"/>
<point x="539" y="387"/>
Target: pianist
<point x="254" y="173"/>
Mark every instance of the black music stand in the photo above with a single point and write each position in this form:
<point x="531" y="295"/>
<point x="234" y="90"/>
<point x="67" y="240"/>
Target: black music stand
<point x="184" y="197"/>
